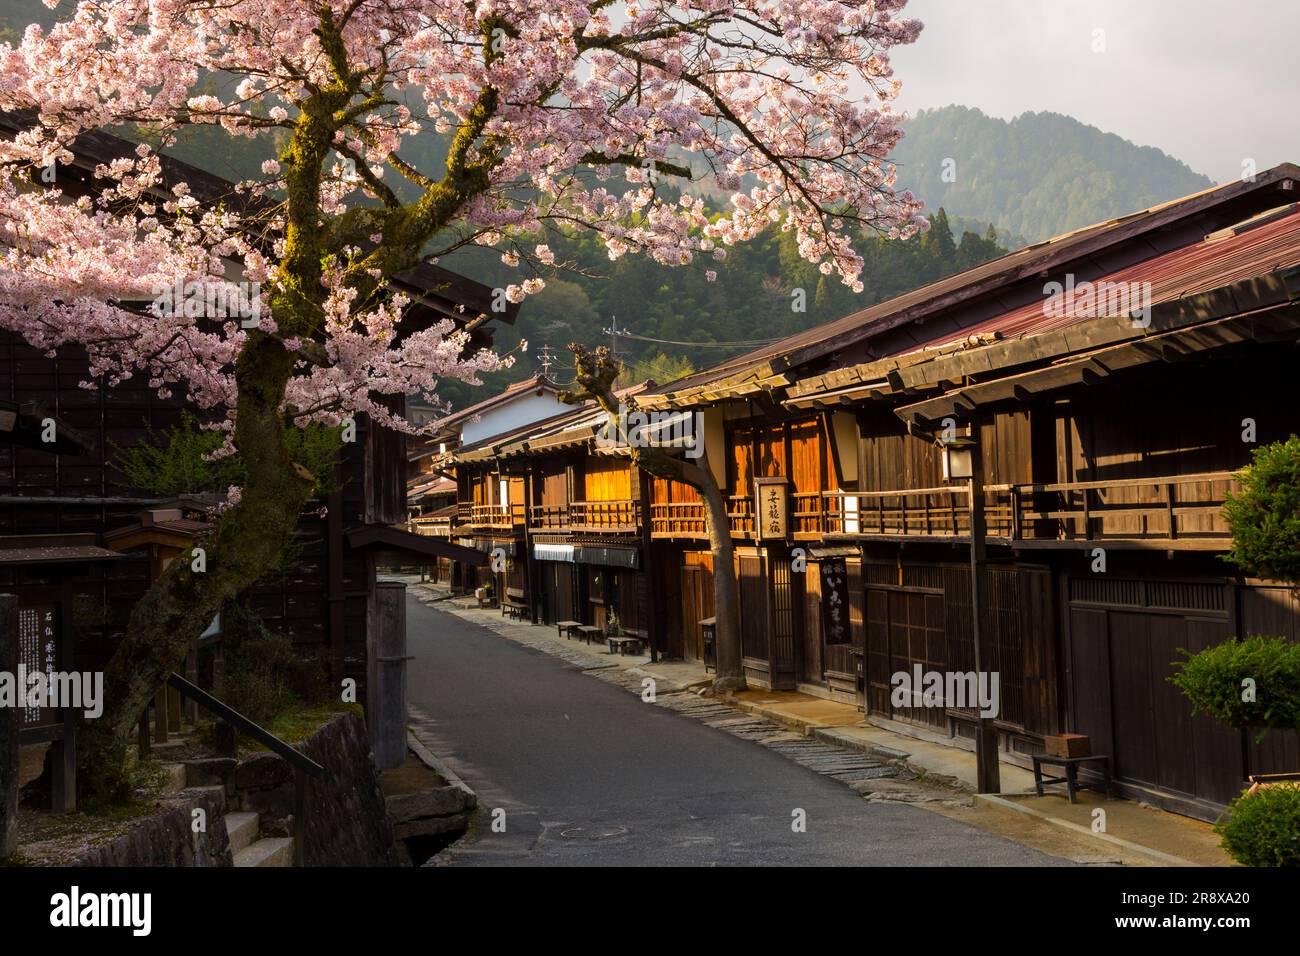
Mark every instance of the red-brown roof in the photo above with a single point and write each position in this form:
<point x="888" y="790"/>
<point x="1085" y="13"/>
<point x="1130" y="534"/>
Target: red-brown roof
<point x="1087" y="245"/>
<point x="1209" y="264"/>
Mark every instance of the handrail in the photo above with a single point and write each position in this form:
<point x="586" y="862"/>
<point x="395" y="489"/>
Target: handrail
<point x="902" y="492"/>
<point x="296" y="757"/>
<point x="303" y="766"/>
<point x="1155" y="482"/>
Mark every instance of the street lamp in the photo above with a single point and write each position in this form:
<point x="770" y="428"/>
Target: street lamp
<point x="961" y="462"/>
<point x="959" y="459"/>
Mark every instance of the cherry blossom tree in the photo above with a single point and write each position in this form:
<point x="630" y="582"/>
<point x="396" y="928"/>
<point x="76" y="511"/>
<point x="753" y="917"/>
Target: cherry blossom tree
<point x="570" y="114"/>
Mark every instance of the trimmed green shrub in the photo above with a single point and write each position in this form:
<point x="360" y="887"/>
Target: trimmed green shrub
<point x="1213" y="681"/>
<point x="1263" y="828"/>
<point x="1265" y="517"/>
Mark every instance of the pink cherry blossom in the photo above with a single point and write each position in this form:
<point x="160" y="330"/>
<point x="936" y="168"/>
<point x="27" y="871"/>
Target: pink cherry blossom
<point x="570" y="114"/>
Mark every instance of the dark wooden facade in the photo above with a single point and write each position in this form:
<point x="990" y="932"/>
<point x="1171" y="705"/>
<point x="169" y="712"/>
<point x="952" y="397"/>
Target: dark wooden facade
<point x="320" y="603"/>
<point x="570" y="522"/>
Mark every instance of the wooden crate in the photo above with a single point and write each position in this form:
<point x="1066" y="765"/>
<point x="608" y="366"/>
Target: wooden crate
<point x="1067" y="745"/>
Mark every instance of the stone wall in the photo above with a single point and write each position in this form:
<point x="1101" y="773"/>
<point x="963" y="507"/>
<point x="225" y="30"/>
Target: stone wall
<point x="167" y="837"/>
<point x="346" y="822"/>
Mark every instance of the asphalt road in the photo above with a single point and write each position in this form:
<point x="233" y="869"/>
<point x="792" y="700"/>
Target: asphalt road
<point x="588" y="774"/>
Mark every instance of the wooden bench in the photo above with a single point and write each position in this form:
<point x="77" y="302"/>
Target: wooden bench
<point x="587" y="632"/>
<point x="565" y="628"/>
<point x="622" y="642"/>
<point x="1071" y="778"/>
<point x="514" y="604"/>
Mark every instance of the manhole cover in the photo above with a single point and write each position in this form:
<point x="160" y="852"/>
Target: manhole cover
<point x="592" y="833"/>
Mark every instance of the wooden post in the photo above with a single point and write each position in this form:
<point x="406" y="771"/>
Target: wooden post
<point x="386" y="713"/>
<point x="648" y="585"/>
<point x="988" y="777"/>
<point x="63" y="790"/>
<point x="334" y="561"/>
<point x="160" y="715"/>
<point x="10" y="717"/>
<point x="299" y="817"/>
<point x="1169" y="506"/>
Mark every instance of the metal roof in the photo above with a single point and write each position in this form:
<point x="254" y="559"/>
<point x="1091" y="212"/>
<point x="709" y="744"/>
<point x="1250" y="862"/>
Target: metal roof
<point x="1243" y="198"/>
<point x="1264" y="246"/>
<point x="1209" y="264"/>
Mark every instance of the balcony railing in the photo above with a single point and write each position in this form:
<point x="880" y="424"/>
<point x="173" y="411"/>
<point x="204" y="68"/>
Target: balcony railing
<point x="677" y="519"/>
<point x="621" y="516"/>
<point x="1185" y="510"/>
<point x="434" y="527"/>
<point x="740" y="511"/>
<point x="495" y="517"/>
<point x="925" y="512"/>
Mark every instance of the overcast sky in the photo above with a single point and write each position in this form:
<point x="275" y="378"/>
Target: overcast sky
<point x="1211" y="83"/>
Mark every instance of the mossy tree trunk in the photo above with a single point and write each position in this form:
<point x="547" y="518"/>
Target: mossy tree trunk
<point x="246" y="542"/>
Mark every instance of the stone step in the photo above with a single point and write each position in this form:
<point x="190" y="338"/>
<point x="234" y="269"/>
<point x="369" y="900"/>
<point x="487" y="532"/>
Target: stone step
<point x="175" y="781"/>
<point x="243" y="829"/>
<point x="216" y="793"/>
<point x="208" y="771"/>
<point x="271" y="851"/>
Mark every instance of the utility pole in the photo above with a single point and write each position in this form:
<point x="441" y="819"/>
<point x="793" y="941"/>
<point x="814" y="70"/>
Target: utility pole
<point x="546" y="359"/>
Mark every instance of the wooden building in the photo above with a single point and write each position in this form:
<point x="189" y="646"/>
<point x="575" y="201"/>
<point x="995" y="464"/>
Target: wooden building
<point x="563" y="518"/>
<point x="1109" y="441"/>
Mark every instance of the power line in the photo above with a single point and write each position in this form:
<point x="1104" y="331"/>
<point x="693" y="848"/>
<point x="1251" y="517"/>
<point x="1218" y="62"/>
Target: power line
<point x="702" y="345"/>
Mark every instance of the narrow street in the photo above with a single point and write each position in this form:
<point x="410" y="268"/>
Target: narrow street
<point x="588" y="774"/>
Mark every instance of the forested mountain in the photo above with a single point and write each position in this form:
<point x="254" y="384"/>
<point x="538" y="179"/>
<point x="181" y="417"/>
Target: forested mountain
<point x="1037" y="176"/>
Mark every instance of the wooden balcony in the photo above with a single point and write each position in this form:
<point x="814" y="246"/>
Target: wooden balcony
<point x="915" y="512"/>
<point x="1178" y="512"/>
<point x="489" y="517"/>
<point x="594" y="517"/>
<point x="685" y="519"/>
<point x="740" y="511"/>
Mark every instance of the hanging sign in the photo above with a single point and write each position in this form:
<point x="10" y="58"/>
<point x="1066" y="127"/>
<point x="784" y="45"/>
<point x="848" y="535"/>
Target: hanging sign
<point x="771" y="510"/>
<point x="835" y="601"/>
